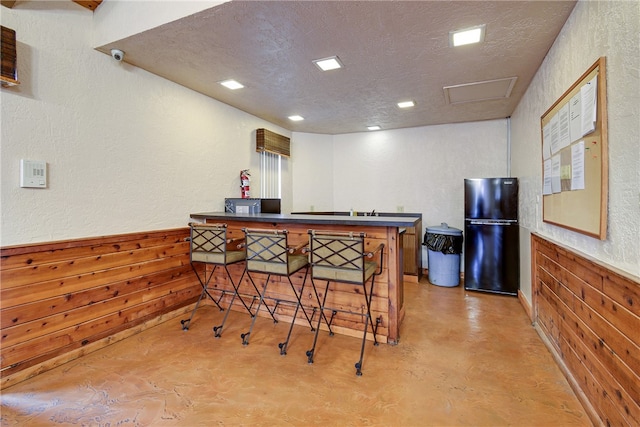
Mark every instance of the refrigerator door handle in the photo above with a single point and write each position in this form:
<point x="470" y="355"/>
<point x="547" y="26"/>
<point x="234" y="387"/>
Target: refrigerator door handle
<point x="492" y="222"/>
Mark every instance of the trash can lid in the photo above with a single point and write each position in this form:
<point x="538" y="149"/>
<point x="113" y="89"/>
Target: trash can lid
<point x="444" y="228"/>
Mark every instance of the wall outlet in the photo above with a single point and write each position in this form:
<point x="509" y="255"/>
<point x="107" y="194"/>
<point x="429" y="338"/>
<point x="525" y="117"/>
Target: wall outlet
<point x="311" y="208"/>
<point x="399" y="209"/>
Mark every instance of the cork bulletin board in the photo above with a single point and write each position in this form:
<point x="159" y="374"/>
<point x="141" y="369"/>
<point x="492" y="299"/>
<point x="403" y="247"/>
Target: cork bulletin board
<point x="575" y="156"/>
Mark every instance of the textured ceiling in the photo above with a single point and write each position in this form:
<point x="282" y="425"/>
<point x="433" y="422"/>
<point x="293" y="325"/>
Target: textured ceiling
<point x="391" y="51"/>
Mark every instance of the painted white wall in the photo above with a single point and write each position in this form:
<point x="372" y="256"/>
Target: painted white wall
<point x="127" y="151"/>
<point x="312" y="159"/>
<point x="594" y="29"/>
<point x="418" y="169"/>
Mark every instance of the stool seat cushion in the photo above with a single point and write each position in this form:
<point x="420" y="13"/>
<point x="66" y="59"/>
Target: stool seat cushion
<point x="296" y="262"/>
<point x="235" y="256"/>
<point x="348" y="275"/>
<point x="217" y="257"/>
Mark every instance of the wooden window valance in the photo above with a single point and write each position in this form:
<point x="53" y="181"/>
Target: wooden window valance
<point x="272" y="142"/>
<point x="9" y="75"/>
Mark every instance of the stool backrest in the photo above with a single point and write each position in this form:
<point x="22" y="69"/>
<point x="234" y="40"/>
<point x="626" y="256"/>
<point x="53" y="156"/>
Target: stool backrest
<point x="208" y="243"/>
<point x="337" y="256"/>
<point x="267" y="251"/>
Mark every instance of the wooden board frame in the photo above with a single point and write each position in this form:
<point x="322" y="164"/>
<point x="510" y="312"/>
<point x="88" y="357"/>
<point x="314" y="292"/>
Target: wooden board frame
<point x="583" y="211"/>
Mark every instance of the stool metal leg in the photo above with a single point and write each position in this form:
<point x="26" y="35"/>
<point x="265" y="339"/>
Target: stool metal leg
<point x="321" y="307"/>
<point x="299" y="298"/>
<point x="368" y="301"/>
<point x="283" y="345"/>
<point x="364" y="340"/>
<point x="260" y="296"/>
<point x="368" y="321"/>
<point x="217" y="330"/>
<point x="204" y="282"/>
<point x="246" y="335"/>
<point x="311" y="352"/>
<point x="236" y="290"/>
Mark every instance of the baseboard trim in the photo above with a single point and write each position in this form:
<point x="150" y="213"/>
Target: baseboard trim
<point x="525" y="304"/>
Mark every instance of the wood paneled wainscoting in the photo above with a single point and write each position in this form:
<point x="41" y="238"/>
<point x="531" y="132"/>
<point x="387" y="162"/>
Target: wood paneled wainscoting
<point x="589" y="316"/>
<point x="59" y="300"/>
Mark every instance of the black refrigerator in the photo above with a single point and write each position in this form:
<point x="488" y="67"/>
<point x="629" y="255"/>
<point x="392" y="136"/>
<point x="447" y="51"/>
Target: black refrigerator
<point x="491" y="244"/>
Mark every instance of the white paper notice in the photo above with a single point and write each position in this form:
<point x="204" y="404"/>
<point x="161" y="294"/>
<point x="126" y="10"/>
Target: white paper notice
<point x="553" y="134"/>
<point x="555" y="174"/>
<point x="577" y="166"/>
<point x="546" y="142"/>
<point x="575" y="111"/>
<point x="546" y="188"/>
<point x="564" y="139"/>
<point x="589" y="95"/>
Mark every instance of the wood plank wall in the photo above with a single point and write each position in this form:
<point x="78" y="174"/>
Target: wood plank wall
<point x="590" y="316"/>
<point x="58" y="297"/>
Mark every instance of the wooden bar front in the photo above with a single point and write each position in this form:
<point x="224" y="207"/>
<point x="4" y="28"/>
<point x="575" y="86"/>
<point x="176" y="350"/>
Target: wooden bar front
<point x="387" y="300"/>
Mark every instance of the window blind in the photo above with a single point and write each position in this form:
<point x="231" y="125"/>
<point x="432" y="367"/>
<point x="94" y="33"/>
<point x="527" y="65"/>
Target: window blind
<point x="271" y="178"/>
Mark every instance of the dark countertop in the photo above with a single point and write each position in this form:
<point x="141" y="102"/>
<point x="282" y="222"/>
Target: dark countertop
<point x="378" y="221"/>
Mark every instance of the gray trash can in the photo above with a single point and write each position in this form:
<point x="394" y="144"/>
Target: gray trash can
<point x="444" y="246"/>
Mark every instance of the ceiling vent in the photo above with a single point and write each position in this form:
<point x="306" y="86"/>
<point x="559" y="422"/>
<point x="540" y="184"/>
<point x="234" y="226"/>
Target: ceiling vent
<point x="479" y="91"/>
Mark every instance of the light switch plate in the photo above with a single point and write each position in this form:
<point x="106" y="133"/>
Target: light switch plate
<point x="33" y="173"/>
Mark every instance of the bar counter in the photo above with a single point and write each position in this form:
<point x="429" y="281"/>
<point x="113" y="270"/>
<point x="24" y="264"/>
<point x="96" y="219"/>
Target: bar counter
<point x="387" y="300"/>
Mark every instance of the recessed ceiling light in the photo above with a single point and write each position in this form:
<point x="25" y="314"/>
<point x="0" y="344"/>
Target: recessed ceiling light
<point x="326" y="64"/>
<point x="467" y="36"/>
<point x="231" y="84"/>
<point x="296" y="118"/>
<point x="406" y="104"/>
<point x="376" y="127"/>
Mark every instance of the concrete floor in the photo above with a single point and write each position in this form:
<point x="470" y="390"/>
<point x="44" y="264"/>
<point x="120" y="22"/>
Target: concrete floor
<point x="464" y="359"/>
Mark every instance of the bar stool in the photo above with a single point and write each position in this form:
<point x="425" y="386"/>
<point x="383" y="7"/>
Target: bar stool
<point x="340" y="257"/>
<point x="210" y="247"/>
<point x="268" y="252"/>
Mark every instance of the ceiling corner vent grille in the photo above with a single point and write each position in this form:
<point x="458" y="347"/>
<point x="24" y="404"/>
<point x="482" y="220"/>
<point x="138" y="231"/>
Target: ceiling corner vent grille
<point x="479" y="91"/>
<point x="272" y="142"/>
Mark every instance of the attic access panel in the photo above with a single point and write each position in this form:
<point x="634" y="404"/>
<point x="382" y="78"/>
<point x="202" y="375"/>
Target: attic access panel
<point x="479" y="91"/>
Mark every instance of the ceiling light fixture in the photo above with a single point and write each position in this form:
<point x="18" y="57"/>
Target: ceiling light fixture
<point x="231" y="84"/>
<point x="467" y="36"/>
<point x="406" y="104"/>
<point x="376" y="127"/>
<point x="296" y="118"/>
<point x="326" y="64"/>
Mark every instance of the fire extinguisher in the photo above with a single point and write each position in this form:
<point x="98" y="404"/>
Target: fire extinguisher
<point x="245" y="178"/>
